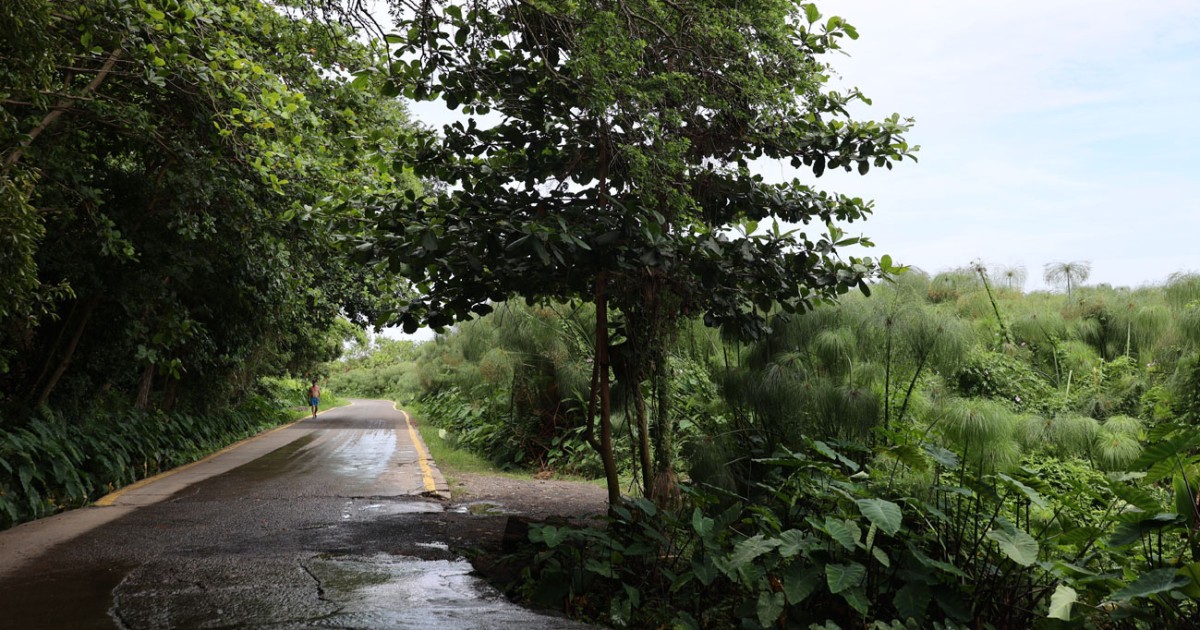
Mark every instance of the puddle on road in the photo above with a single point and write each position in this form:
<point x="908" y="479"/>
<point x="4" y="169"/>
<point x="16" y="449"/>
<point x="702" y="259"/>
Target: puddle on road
<point x="383" y="591"/>
<point x="37" y="602"/>
<point x="381" y="506"/>
<point x="364" y="454"/>
<point x="480" y="508"/>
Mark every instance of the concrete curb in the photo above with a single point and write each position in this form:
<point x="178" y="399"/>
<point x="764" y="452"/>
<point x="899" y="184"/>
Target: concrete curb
<point x="434" y="481"/>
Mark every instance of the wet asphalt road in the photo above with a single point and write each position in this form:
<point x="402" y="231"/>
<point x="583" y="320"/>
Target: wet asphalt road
<point x="323" y="524"/>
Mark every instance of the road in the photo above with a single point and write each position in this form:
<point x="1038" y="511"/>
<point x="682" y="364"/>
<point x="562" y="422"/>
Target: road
<point x="331" y="522"/>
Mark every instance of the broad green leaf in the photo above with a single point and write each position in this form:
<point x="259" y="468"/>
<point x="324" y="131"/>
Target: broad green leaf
<point x="1192" y="572"/>
<point x="799" y="582"/>
<point x="846" y="533"/>
<point x="944" y="457"/>
<point x="1033" y="495"/>
<point x="1137" y="497"/>
<point x="1061" y="601"/>
<point x="857" y="600"/>
<point x="792" y="542"/>
<point x="1156" y="581"/>
<point x="907" y="454"/>
<point x="882" y="513"/>
<point x="747" y="550"/>
<point x="938" y="564"/>
<point x="840" y="577"/>
<point x="911" y="600"/>
<point x="1016" y="544"/>
<point x="600" y="568"/>
<point x="828" y="451"/>
<point x="550" y="535"/>
<point x="1129" y="532"/>
<point x="705" y="571"/>
<point x="701" y="523"/>
<point x="770" y="607"/>
<point x="1159" y="459"/>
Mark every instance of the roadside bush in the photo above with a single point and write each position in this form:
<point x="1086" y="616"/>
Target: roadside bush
<point x="824" y="543"/>
<point x="51" y="464"/>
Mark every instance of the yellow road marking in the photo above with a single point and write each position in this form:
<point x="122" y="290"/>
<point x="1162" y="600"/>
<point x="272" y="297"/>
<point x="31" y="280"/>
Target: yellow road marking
<point x="422" y="456"/>
<point x="112" y="497"/>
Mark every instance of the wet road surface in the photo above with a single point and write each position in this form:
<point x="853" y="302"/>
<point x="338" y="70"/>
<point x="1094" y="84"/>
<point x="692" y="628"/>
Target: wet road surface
<point x="327" y="523"/>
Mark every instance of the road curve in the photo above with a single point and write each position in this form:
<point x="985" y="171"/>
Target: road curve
<point x="328" y="522"/>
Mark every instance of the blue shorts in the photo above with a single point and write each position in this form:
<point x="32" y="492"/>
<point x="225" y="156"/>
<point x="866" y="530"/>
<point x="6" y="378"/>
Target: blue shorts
<point x="314" y="401"/>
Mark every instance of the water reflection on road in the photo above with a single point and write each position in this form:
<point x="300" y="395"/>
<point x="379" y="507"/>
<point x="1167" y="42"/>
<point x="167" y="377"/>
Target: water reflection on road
<point x="385" y="591"/>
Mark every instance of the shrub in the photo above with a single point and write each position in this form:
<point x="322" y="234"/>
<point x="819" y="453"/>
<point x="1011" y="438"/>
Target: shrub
<point x="51" y="464"/>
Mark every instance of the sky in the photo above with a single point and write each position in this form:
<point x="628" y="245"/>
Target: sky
<point x="1050" y="131"/>
<point x="1058" y="130"/>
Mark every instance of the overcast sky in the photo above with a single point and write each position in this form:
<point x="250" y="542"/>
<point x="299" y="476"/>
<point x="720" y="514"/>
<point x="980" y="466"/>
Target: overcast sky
<point x="1056" y="130"/>
<point x="1050" y="130"/>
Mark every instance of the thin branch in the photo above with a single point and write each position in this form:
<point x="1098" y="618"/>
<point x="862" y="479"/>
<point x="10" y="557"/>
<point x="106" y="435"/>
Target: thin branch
<point x="62" y="106"/>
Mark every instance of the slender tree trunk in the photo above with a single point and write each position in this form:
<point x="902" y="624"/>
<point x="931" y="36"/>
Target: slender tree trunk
<point x="143" y="399"/>
<point x="987" y="286"/>
<point x="602" y="365"/>
<point x="643" y="438"/>
<point x="666" y="485"/>
<point x="169" y="393"/>
<point x="49" y="355"/>
<point x="70" y="351"/>
<point x="889" y="323"/>
<point x="62" y="106"/>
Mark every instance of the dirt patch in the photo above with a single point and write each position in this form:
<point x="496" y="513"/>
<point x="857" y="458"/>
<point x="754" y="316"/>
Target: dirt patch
<point x="536" y="499"/>
<point x="490" y="516"/>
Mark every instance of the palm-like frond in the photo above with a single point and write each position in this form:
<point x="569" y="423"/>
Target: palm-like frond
<point x="1124" y="425"/>
<point x="1116" y="450"/>
<point x="977" y="423"/>
<point x="1067" y="274"/>
<point x="1073" y="434"/>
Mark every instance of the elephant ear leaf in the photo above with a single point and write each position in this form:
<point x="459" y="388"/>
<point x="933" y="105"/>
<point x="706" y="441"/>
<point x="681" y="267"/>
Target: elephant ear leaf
<point x="1153" y="582"/>
<point x="1019" y="546"/>
<point x="1061" y="601"/>
<point x="883" y="514"/>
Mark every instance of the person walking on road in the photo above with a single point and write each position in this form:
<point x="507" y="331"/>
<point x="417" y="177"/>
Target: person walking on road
<point x="314" y="397"/>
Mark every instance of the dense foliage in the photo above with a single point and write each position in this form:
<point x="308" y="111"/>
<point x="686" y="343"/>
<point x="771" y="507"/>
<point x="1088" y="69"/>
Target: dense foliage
<point x="178" y="178"/>
<point x="943" y="452"/>
<point x="54" y="463"/>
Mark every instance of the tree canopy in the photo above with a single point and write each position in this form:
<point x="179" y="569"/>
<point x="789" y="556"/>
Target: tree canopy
<point x="177" y="178"/>
<point x="607" y="153"/>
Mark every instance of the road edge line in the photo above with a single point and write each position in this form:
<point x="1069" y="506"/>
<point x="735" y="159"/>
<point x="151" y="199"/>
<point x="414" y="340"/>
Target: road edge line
<point x="422" y="454"/>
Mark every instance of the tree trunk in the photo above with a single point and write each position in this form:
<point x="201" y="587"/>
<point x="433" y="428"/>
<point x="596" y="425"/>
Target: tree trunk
<point x="169" y="393"/>
<point x="606" y="438"/>
<point x="665" y="492"/>
<point x="66" y="360"/>
<point x="643" y="439"/>
<point x="143" y="399"/>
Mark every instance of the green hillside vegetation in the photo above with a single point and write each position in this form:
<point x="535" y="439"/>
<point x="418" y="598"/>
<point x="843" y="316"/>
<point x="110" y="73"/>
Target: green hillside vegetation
<point x="918" y="455"/>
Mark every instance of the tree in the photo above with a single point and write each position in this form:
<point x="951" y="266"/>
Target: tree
<point x="617" y="169"/>
<point x="1068" y="274"/>
<point x="181" y="173"/>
